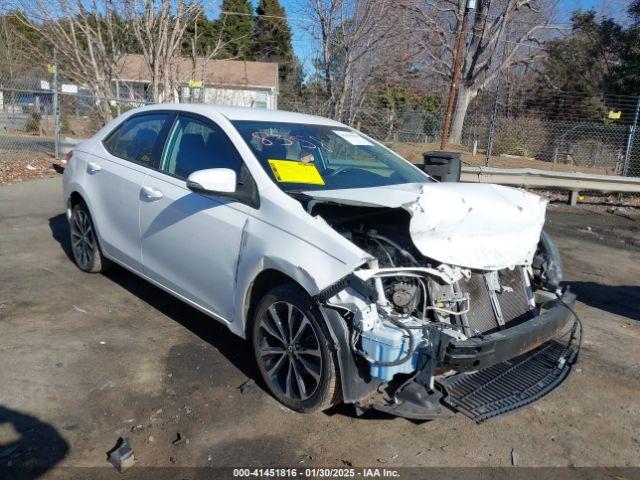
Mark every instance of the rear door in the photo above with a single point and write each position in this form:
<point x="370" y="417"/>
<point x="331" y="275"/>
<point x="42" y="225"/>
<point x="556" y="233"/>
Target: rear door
<point x="191" y="241"/>
<point x="115" y="175"/>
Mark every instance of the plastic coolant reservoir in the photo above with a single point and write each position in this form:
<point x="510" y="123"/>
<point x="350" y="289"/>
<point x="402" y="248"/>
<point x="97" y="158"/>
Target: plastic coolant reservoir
<point x="389" y="343"/>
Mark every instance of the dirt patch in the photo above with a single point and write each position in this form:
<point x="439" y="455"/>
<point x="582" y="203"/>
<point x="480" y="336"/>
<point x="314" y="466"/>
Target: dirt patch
<point x="413" y="153"/>
<point x="15" y="169"/>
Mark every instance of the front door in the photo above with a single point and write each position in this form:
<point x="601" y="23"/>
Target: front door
<point x="191" y="241"/>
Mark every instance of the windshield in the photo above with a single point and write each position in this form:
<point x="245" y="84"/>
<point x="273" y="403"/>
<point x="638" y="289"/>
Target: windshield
<point x="322" y="157"/>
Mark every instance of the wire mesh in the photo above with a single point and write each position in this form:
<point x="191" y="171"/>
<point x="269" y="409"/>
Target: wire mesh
<point x="564" y="131"/>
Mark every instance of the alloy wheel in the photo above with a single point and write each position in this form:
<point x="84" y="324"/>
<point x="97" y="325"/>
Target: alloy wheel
<point x="289" y="351"/>
<point x="83" y="240"/>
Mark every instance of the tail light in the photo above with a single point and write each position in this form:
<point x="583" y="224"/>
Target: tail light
<point x="69" y="156"/>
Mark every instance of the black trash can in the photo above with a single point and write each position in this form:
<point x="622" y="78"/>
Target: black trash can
<point x="443" y="166"/>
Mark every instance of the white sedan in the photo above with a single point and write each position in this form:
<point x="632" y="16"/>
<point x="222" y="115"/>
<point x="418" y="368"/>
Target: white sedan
<point x="356" y="276"/>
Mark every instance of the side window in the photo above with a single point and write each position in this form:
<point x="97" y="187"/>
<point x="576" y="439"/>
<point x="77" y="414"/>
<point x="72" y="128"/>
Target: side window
<point x="197" y="145"/>
<point x="135" y="139"/>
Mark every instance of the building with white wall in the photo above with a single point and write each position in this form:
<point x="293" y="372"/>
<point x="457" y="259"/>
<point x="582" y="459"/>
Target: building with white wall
<point x="220" y="82"/>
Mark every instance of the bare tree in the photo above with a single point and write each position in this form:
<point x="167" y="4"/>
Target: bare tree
<point x="504" y="35"/>
<point x="85" y="33"/>
<point x="349" y="34"/>
<point x="12" y="53"/>
<point x="159" y="27"/>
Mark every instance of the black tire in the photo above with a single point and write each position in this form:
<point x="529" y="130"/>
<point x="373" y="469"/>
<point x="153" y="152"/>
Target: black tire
<point x="84" y="241"/>
<point x="310" y="354"/>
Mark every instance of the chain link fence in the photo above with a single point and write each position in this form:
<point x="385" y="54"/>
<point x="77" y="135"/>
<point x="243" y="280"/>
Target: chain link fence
<point x="566" y="132"/>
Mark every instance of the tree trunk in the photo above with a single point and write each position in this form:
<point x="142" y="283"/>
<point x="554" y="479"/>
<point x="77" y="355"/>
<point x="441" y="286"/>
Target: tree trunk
<point x="465" y="95"/>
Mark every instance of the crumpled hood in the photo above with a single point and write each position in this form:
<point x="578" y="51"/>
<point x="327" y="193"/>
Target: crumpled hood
<point x="471" y="225"/>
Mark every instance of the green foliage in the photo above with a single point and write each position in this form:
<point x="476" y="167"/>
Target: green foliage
<point x="397" y="103"/>
<point x="204" y="32"/>
<point x="272" y="37"/>
<point x="237" y="30"/>
<point x="625" y="76"/>
<point x="601" y="56"/>
<point x="16" y="20"/>
<point x="403" y="100"/>
<point x="579" y="64"/>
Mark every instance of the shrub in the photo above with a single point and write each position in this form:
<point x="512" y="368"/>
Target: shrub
<point x="524" y="136"/>
<point x="33" y="123"/>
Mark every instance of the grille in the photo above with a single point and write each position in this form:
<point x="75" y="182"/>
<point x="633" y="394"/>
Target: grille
<point x="514" y="304"/>
<point x="510" y="385"/>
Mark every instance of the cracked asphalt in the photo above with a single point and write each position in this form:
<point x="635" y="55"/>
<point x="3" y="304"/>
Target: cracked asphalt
<point x="88" y="358"/>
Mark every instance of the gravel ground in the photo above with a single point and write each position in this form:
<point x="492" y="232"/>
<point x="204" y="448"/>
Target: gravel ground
<point x="88" y="358"/>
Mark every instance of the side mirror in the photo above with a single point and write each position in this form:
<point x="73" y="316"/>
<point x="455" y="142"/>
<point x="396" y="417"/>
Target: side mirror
<point x="212" y="180"/>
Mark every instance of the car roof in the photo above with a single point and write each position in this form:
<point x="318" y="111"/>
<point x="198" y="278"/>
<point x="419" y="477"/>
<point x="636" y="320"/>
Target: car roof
<point x="243" y="113"/>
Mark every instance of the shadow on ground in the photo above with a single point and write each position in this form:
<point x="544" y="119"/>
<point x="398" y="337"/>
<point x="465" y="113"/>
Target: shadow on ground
<point x="60" y="232"/>
<point x="235" y="349"/>
<point x="623" y="300"/>
<point x="37" y="449"/>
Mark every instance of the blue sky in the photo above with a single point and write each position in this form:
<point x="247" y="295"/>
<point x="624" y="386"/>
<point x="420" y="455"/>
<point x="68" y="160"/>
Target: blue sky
<point x="305" y="50"/>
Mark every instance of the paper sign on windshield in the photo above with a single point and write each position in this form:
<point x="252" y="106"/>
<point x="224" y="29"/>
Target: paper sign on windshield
<point x="287" y="171"/>
<point x="352" y="137"/>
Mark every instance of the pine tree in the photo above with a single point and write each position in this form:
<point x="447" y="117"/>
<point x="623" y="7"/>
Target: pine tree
<point x="272" y="36"/>
<point x="238" y="29"/>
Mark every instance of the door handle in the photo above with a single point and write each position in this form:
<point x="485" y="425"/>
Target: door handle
<point x="94" y="167"/>
<point x="152" y="193"/>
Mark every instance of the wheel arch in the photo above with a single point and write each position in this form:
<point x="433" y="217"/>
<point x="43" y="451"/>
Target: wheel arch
<point x="75" y="198"/>
<point x="264" y="281"/>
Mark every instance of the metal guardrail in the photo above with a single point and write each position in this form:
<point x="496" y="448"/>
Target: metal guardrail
<point x="533" y="178"/>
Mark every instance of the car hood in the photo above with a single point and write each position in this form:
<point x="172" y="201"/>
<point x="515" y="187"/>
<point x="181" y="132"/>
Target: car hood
<point x="477" y="226"/>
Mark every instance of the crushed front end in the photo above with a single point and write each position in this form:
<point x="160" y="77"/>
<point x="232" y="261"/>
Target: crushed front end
<point x="424" y="337"/>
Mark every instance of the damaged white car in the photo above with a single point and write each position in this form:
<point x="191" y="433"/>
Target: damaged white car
<point x="356" y="277"/>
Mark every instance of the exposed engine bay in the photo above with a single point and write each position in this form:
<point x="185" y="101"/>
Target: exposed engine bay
<point x="403" y="307"/>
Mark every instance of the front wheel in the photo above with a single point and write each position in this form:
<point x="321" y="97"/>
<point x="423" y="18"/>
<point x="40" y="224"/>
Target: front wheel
<point x="293" y="351"/>
<point x="84" y="242"/>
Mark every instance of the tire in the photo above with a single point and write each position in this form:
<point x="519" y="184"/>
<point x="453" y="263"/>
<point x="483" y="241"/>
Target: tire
<point x="84" y="242"/>
<point x="283" y="363"/>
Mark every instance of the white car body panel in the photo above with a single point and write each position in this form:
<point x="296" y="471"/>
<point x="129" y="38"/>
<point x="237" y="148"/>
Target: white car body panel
<point x="190" y="242"/>
<point x="477" y="226"/>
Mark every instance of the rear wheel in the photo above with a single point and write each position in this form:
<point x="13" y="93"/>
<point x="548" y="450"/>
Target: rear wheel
<point x="293" y="351"/>
<point x="84" y="242"/>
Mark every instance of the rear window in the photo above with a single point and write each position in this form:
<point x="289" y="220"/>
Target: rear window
<point x="135" y="139"/>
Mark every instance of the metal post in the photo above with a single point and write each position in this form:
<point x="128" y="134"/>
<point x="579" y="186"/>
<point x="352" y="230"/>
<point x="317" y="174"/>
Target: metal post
<point x="118" y="96"/>
<point x="56" y="103"/>
<point x="457" y="67"/>
<point x="630" y="139"/>
<point x="492" y="127"/>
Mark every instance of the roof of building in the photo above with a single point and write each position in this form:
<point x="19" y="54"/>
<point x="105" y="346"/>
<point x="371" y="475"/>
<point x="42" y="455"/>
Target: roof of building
<point x="232" y="73"/>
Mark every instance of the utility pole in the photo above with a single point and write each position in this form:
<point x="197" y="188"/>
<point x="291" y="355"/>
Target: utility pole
<point x="630" y="140"/>
<point x="494" y="113"/>
<point x="457" y="67"/>
<point x="56" y="104"/>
